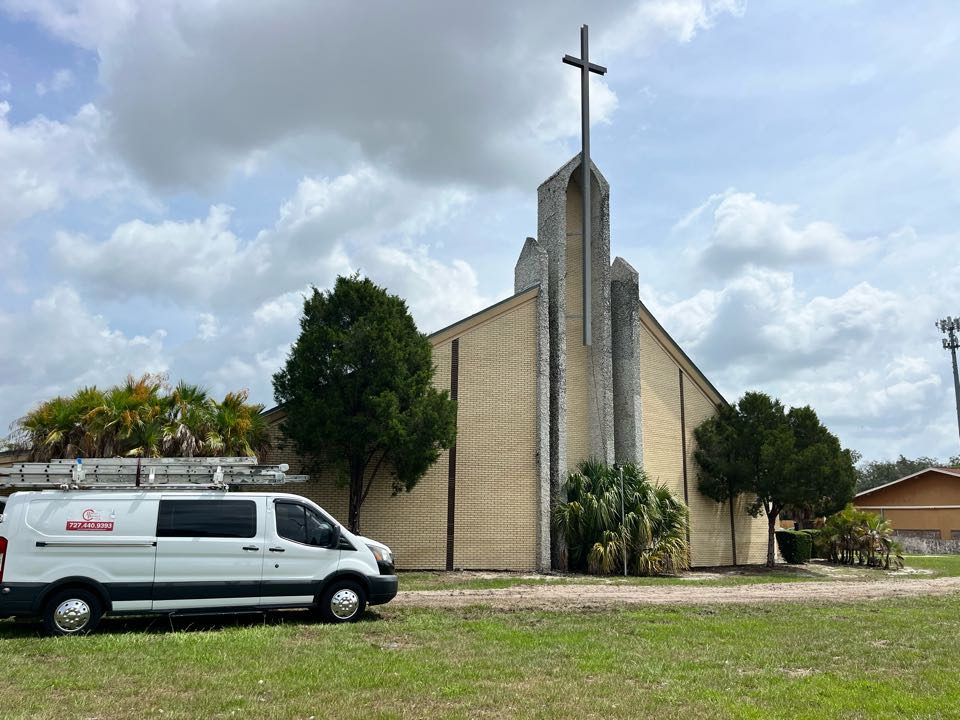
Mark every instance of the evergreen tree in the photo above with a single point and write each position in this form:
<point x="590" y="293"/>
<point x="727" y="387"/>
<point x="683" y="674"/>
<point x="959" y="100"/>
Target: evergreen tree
<point x="358" y="393"/>
<point x="782" y="459"/>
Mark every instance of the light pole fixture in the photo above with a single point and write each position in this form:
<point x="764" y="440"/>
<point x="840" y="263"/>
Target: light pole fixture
<point x="950" y="326"/>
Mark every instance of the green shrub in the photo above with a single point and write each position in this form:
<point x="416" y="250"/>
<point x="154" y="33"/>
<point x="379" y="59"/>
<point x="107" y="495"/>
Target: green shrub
<point x="818" y="546"/>
<point x="653" y="530"/>
<point x="853" y="536"/>
<point x="795" y="545"/>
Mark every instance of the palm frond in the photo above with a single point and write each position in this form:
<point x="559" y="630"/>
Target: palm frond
<point x="609" y="509"/>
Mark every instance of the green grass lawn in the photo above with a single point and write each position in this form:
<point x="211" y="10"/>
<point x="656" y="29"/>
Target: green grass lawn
<point x="940" y="565"/>
<point x="937" y="565"/>
<point x="873" y="660"/>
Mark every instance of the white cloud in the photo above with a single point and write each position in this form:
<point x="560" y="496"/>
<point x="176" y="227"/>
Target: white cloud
<point x="863" y="353"/>
<point x="45" y="163"/>
<point x="365" y="220"/>
<point x="5" y="87"/>
<point x="61" y="80"/>
<point x="58" y="345"/>
<point x="759" y="326"/>
<point x="87" y="23"/>
<point x="191" y="261"/>
<point x="208" y="326"/>
<point x="473" y="93"/>
<point x="682" y="19"/>
<point x="734" y="230"/>
<point x="859" y="358"/>
<point x="245" y="295"/>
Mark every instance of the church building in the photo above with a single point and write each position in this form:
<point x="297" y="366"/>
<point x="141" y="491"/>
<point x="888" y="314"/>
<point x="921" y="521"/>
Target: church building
<point x="533" y="400"/>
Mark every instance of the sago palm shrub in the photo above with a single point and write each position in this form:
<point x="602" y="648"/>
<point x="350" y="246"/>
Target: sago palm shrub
<point x="853" y="536"/>
<point x="651" y="528"/>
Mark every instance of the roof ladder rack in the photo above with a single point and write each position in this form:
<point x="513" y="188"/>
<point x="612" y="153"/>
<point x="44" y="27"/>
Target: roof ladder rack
<point x="219" y="473"/>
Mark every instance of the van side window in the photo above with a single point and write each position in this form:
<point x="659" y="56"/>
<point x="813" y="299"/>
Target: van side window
<point x="300" y="524"/>
<point x="207" y="518"/>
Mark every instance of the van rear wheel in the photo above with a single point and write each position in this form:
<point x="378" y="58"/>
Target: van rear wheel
<point x="342" y="601"/>
<point x="74" y="611"/>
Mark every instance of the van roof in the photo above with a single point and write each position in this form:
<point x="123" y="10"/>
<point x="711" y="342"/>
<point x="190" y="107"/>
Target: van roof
<point x="155" y="492"/>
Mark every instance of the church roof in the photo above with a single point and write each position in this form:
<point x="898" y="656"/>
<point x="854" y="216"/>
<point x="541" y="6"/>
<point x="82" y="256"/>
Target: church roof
<point x="482" y="316"/>
<point x="673" y="349"/>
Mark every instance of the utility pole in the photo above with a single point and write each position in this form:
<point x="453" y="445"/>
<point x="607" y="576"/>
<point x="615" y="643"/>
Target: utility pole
<point x="950" y="326"/>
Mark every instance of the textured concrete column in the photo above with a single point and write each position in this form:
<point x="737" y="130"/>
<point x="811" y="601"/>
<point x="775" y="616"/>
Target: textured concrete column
<point x="625" y="324"/>
<point x="532" y="269"/>
<point x="557" y="228"/>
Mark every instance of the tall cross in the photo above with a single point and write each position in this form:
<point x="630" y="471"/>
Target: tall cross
<point x="586" y="67"/>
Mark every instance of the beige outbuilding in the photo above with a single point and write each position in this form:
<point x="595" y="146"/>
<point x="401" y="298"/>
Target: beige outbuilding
<point x="533" y="401"/>
<point x="924" y="504"/>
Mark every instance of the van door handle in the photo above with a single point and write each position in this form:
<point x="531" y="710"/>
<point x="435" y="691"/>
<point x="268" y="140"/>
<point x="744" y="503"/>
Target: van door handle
<point x="277" y="550"/>
<point x="252" y="548"/>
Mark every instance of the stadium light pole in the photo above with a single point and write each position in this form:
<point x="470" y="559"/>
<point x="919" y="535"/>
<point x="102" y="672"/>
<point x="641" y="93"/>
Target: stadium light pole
<point x="950" y="327"/>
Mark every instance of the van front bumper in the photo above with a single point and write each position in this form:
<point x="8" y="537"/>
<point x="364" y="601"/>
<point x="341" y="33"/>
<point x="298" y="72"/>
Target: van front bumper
<point x="383" y="589"/>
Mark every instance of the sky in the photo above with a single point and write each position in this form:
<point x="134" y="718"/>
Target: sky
<point x="785" y="176"/>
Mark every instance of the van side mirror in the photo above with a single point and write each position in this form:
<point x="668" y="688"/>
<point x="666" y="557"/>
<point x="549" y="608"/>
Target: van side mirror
<point x="335" y="540"/>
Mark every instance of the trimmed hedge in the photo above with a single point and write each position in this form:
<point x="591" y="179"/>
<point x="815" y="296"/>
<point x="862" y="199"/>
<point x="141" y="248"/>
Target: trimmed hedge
<point x="820" y="546"/>
<point x="795" y="545"/>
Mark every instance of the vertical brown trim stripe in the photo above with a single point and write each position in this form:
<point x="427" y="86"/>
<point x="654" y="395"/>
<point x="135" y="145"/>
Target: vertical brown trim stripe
<point x="683" y="439"/>
<point x="452" y="462"/>
<point x="683" y="450"/>
<point x="733" y="532"/>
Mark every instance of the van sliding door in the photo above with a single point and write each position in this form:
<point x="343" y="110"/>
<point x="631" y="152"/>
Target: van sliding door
<point x="209" y="552"/>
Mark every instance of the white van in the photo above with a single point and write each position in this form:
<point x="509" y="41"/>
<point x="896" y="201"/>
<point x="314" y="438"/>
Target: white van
<point x="70" y="557"/>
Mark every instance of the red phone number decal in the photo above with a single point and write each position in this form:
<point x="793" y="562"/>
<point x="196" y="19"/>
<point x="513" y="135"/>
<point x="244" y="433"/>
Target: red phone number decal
<point x="89" y="525"/>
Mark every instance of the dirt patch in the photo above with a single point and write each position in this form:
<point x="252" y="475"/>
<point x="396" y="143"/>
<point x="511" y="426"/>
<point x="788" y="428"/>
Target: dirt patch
<point x="587" y="596"/>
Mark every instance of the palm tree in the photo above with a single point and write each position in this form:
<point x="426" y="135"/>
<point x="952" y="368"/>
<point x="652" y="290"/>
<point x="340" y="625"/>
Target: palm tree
<point x="190" y="420"/>
<point x="854" y="536"/>
<point x="237" y="427"/>
<point x="650" y="531"/>
<point x="143" y="417"/>
<point x="128" y="420"/>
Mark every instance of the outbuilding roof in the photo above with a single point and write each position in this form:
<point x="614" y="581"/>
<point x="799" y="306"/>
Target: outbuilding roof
<point x="947" y="471"/>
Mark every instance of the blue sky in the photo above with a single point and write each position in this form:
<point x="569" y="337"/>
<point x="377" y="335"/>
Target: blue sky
<point x="785" y="177"/>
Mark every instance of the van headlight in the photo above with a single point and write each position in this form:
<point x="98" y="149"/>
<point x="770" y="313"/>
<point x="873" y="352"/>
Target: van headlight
<point x="382" y="555"/>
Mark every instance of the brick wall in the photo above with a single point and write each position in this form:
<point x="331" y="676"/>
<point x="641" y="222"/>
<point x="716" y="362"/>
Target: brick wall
<point x="710" y="536"/>
<point x="663" y="459"/>
<point x="497" y="483"/>
<point x="496" y="475"/>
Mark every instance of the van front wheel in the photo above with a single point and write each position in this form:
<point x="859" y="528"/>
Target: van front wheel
<point x="343" y="601"/>
<point x="72" y="612"/>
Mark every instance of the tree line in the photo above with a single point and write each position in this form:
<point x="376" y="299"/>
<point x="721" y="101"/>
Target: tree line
<point x="880" y="472"/>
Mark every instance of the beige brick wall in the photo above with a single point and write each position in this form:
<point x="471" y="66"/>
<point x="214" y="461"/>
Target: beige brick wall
<point x="660" y="400"/>
<point x="709" y="520"/>
<point x="751" y="534"/>
<point x="496" y="522"/>
<point x="578" y="355"/>
<point x="496" y="491"/>
<point x="710" y="537"/>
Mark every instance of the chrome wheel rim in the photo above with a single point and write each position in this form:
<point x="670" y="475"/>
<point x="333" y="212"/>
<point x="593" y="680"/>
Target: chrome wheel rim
<point x="344" y="604"/>
<point x="71" y="615"/>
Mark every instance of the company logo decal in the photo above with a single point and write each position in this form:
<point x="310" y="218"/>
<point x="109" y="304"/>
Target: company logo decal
<point x="91" y="521"/>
